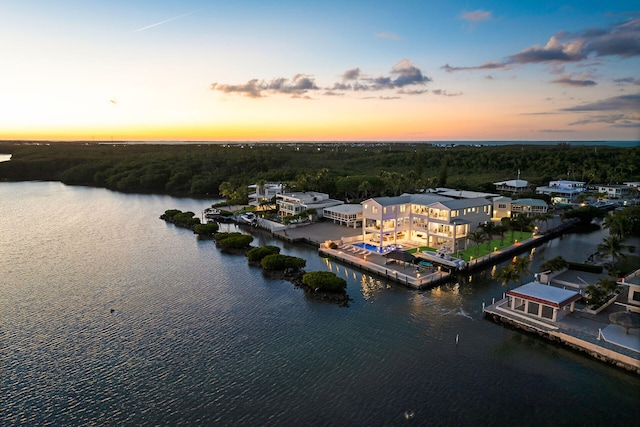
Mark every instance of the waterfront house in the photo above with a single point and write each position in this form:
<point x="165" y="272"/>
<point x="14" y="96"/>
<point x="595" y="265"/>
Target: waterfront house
<point x="542" y="301"/>
<point x="290" y="204"/>
<point x="529" y="207"/>
<point x="345" y="214"/>
<point x="263" y="194"/>
<point x="423" y="219"/>
<point x="513" y="186"/>
<point x="562" y="191"/>
<point x="617" y="191"/>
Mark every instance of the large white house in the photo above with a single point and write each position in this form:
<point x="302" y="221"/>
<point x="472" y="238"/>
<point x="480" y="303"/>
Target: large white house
<point x="263" y="193"/>
<point x="425" y="219"/>
<point x="562" y="191"/>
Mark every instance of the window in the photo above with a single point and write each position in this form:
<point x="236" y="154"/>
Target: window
<point x="502" y="206"/>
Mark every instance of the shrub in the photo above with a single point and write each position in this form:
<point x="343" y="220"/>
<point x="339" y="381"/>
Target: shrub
<point x="280" y="262"/>
<point x="170" y="213"/>
<point x="257" y="254"/>
<point x="224" y="235"/>
<point x="325" y="281"/>
<point x="206" y="229"/>
<point x="239" y="241"/>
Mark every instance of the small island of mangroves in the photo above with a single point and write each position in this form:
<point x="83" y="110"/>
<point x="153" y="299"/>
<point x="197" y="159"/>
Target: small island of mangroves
<point x="347" y="171"/>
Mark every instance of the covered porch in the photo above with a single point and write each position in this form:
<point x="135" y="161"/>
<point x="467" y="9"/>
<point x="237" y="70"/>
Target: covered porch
<point x="542" y="301"/>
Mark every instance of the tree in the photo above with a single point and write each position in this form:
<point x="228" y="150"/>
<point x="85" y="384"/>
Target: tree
<point x="490" y="228"/>
<point x="226" y="189"/>
<point x="507" y="274"/>
<point x="618" y="223"/>
<point x="554" y="264"/>
<point x="521" y="266"/>
<point x="476" y="237"/>
<point x="324" y="281"/>
<point x="613" y="247"/>
<point x="523" y="223"/>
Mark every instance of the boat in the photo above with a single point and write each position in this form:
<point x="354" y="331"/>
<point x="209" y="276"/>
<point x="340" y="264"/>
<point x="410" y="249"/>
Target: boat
<point x="443" y="257"/>
<point x="248" y="217"/>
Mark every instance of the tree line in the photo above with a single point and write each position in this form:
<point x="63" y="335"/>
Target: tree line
<point x="345" y="171"/>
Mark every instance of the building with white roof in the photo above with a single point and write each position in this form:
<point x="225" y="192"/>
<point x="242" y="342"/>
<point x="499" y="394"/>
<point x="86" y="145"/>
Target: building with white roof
<point x="562" y="191"/>
<point x="513" y="186"/>
<point x="290" y="204"/>
<point x="345" y="214"/>
<point x="542" y="301"/>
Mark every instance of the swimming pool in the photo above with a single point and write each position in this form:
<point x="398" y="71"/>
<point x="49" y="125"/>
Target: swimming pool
<point x="372" y="248"/>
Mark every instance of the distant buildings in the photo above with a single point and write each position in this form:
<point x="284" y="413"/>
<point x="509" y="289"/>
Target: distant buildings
<point x="513" y="186"/>
<point x="505" y="207"/>
<point x="563" y="191"/>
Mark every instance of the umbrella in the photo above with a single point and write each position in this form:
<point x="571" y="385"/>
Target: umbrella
<point x="626" y="319"/>
<point x="401" y="256"/>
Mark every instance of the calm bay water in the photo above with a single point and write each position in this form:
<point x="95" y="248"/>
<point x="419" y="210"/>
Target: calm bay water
<point x="197" y="337"/>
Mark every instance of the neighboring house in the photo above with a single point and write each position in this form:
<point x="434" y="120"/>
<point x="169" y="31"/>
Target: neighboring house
<point x="263" y="194"/>
<point x="290" y="204"/>
<point x="461" y="194"/>
<point x="501" y="208"/>
<point x="345" y="214"/>
<point x="616" y="191"/>
<point x="425" y="219"/>
<point x="632" y="284"/>
<point x="529" y="207"/>
<point x="562" y="191"/>
<point x="513" y="186"/>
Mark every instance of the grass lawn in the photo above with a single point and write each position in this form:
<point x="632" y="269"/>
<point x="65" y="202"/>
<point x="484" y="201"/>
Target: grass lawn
<point x="484" y="248"/>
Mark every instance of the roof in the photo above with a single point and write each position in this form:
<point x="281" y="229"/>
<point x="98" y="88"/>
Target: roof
<point x="390" y="201"/>
<point x="466" y="194"/>
<point x="465" y="203"/>
<point x="545" y="294"/>
<point x="427" y="199"/>
<point x="530" y="202"/>
<point x="502" y="199"/>
<point x="513" y="183"/>
<point x="345" y="208"/>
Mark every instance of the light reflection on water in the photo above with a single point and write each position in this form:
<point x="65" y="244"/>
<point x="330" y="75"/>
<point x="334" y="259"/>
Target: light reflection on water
<point x="199" y="337"/>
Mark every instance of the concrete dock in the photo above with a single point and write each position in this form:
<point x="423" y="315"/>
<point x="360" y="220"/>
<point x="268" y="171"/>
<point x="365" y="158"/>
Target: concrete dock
<point x="589" y="333"/>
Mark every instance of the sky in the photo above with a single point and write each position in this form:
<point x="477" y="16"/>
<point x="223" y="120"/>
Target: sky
<point x="190" y="70"/>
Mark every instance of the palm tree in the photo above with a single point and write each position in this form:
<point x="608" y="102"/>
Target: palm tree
<point x="509" y="224"/>
<point x="476" y="237"/>
<point x="523" y="222"/>
<point x="613" y="247"/>
<point x="521" y="266"/>
<point x="507" y="274"/>
<point x="490" y="228"/>
<point x="501" y="230"/>
<point x="618" y="224"/>
<point x="554" y="264"/>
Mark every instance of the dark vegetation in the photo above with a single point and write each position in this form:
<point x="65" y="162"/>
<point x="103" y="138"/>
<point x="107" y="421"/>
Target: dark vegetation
<point x="324" y="281"/>
<point x="345" y="171"/>
<point x="181" y="219"/>
<point x="255" y="255"/>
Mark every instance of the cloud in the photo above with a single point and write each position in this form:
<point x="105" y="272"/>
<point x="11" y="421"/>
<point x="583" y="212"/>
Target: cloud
<point x="404" y="76"/>
<point x="298" y="86"/>
<point x="616" y="103"/>
<point x="485" y="66"/>
<point x="443" y="92"/>
<point x="556" y="130"/>
<point x="604" y="118"/>
<point x="477" y="15"/>
<point x="621" y="39"/>
<point x="387" y="35"/>
<point x="568" y="80"/>
<point x="624" y="80"/>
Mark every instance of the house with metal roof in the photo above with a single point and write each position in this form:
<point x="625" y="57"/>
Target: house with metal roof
<point x="513" y="186"/>
<point x="542" y="301"/>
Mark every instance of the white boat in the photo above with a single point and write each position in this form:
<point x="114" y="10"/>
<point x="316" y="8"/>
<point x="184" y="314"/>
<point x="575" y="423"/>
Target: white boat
<point x="442" y="256"/>
<point x="248" y="217"/>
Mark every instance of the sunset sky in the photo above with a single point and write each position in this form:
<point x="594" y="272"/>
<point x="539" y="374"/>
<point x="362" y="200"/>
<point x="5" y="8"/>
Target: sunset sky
<point x="319" y="71"/>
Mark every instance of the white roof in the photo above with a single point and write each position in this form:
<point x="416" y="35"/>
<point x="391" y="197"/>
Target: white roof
<point x="345" y="209"/>
<point x="545" y="294"/>
<point x="513" y="183"/>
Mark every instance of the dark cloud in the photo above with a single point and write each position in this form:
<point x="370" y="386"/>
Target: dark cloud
<point x="616" y="103"/>
<point x="485" y="66"/>
<point x="298" y="86"/>
<point x="404" y="77"/>
<point x="605" y="118"/>
<point x="630" y="80"/>
<point x="621" y="39"/>
<point x="568" y="80"/>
